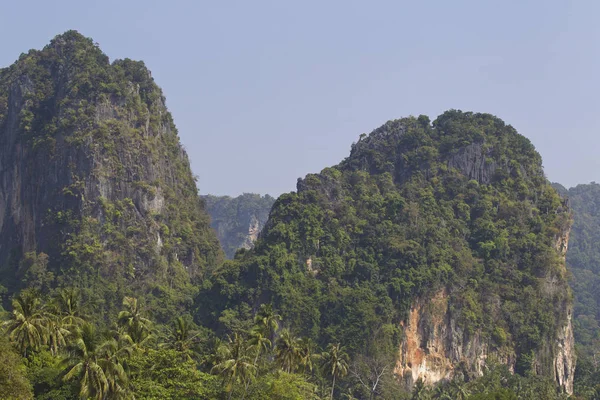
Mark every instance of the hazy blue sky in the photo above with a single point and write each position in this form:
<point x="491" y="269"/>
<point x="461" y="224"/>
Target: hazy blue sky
<point x="264" y="92"/>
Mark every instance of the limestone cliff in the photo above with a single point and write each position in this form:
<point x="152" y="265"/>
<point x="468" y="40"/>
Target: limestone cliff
<point x="93" y="175"/>
<point x="239" y="220"/>
<point x="448" y="229"/>
<point x="434" y="347"/>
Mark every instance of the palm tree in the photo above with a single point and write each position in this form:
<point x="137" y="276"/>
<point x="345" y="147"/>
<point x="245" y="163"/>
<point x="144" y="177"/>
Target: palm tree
<point x="335" y="363"/>
<point x="258" y="343"/>
<point x="235" y="365"/>
<point x="135" y="324"/>
<point x="27" y="326"/>
<point x="420" y="391"/>
<point x="287" y="351"/>
<point x="57" y="332"/>
<point x="459" y="389"/>
<point x="182" y="336"/>
<point x="63" y="318"/>
<point x="66" y="305"/>
<point x="267" y="320"/>
<point x="96" y="365"/>
<point x="307" y="353"/>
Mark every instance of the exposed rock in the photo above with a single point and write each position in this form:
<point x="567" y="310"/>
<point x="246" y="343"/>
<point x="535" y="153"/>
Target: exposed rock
<point x="238" y="221"/>
<point x="475" y="162"/>
<point x="434" y="345"/>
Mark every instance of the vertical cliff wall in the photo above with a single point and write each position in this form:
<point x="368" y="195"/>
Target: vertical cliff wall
<point x="93" y="175"/>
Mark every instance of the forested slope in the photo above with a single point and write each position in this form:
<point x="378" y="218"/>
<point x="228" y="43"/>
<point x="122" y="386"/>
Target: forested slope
<point x="442" y="240"/>
<point x="583" y="261"/>
<point x="95" y="190"/>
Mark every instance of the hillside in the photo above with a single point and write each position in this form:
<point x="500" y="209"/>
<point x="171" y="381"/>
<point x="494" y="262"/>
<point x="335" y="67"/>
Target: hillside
<point x="238" y="220"/>
<point x="583" y="261"/>
<point x="429" y="264"/>
<point x="95" y="190"/>
<point x="439" y="244"/>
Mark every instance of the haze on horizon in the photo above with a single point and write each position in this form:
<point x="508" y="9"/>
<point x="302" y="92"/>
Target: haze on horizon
<point x="265" y="92"/>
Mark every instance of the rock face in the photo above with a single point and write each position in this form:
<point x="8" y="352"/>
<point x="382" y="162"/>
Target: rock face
<point x="583" y="262"/>
<point x="92" y="174"/>
<point x="434" y="347"/>
<point x="239" y="220"/>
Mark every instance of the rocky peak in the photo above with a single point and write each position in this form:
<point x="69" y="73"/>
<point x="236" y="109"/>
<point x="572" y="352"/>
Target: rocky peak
<point x="92" y="173"/>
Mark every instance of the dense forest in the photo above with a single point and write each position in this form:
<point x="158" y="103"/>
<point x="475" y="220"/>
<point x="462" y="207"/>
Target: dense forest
<point x="428" y="264"/>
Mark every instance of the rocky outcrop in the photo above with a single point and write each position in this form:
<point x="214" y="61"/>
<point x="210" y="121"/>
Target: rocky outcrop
<point x="564" y="356"/>
<point x="475" y="162"/>
<point x="238" y="221"/>
<point x="92" y="174"/>
<point x="434" y="347"/>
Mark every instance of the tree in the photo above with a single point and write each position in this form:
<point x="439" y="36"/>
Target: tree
<point x="334" y="363"/>
<point x="13" y="381"/>
<point x="66" y="305"/>
<point x="235" y="365"/>
<point x="259" y="343"/>
<point x="27" y="326"/>
<point x="96" y="365"/>
<point x="138" y="327"/>
<point x="306" y="353"/>
<point x="182" y="337"/>
<point x="369" y="372"/>
<point x="57" y="332"/>
<point x="287" y="351"/>
<point x="161" y="374"/>
<point x="267" y="320"/>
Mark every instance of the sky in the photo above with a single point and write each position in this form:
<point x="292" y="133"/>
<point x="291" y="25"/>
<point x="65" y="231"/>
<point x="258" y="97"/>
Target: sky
<point x="264" y="92"/>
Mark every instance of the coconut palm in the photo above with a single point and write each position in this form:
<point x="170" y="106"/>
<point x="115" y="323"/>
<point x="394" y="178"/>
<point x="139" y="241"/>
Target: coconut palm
<point x="131" y="319"/>
<point x="235" y="364"/>
<point x="182" y="337"/>
<point x="307" y="354"/>
<point x="258" y="343"/>
<point x="267" y="320"/>
<point x="459" y="389"/>
<point x="287" y="351"/>
<point x="57" y="332"/>
<point x="66" y="305"/>
<point x="27" y="326"/>
<point x="96" y="365"/>
<point x="334" y="363"/>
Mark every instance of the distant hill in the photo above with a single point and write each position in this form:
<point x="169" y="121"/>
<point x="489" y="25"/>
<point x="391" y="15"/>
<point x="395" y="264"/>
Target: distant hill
<point x="238" y="220"/>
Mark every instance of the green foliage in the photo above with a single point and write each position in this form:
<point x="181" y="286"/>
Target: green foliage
<point x="160" y="374"/>
<point x="460" y="206"/>
<point x="122" y="213"/>
<point x="583" y="261"/>
<point x="13" y="380"/>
